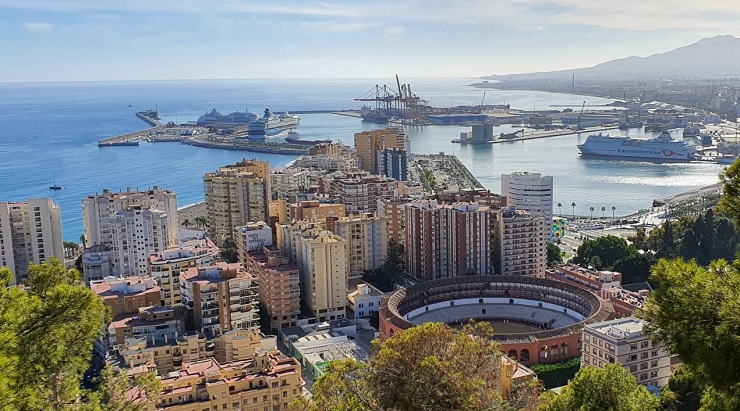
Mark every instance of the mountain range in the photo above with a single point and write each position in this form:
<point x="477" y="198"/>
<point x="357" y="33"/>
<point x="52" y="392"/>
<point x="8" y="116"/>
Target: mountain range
<point x="708" y="58"/>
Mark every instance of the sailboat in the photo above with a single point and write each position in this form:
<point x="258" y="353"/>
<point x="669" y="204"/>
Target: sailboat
<point x="54" y="185"/>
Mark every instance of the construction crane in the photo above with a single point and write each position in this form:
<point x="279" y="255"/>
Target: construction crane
<point x="402" y="103"/>
<point x="580" y="116"/>
<point x="483" y="102"/>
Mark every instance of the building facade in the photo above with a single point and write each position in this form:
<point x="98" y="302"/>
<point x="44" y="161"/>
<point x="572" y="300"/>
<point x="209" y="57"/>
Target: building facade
<point x="393" y="163"/>
<point x="444" y="241"/>
<point x="520" y="242"/>
<point x="367" y="240"/>
<point x="393" y="209"/>
<point x="236" y="194"/>
<point x="531" y="192"/>
<point x="165" y="266"/>
<point x="315" y="210"/>
<point x="279" y="285"/>
<point x="360" y="192"/>
<point x="252" y="236"/>
<point x="222" y="297"/>
<point x="30" y="232"/>
<point x="623" y="341"/>
<point x="369" y="143"/>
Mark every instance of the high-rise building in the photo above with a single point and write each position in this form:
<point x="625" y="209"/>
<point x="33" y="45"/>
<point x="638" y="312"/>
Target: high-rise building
<point x="531" y="192"/>
<point x="235" y="195"/>
<point x="393" y="163"/>
<point x="359" y="192"/>
<point x="369" y="143"/>
<point x="279" y="285"/>
<point x="520" y="242"/>
<point x="393" y="209"/>
<point x="97" y="210"/>
<point x="137" y="233"/>
<point x="165" y="266"/>
<point x="623" y="341"/>
<point x="30" y="232"/>
<point x="367" y="240"/>
<point x="315" y="210"/>
<point x="222" y="297"/>
<point x="444" y="241"/>
<point x="286" y="181"/>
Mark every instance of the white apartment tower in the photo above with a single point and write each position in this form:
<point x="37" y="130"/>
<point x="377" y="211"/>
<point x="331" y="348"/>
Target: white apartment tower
<point x="531" y="192"/>
<point x="97" y="210"/>
<point x="367" y="240"/>
<point x="623" y="341"/>
<point x="136" y="234"/>
<point x="30" y="232"/>
<point x="323" y="267"/>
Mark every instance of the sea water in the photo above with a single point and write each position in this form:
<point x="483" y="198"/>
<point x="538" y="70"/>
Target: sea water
<point x="49" y="132"/>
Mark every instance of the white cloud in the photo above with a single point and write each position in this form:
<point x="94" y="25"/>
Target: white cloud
<point x="337" y="26"/>
<point x="392" y="31"/>
<point x="34" y="26"/>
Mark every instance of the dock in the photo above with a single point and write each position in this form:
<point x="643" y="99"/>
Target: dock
<point x="538" y="134"/>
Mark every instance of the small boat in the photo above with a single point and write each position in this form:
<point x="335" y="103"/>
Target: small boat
<point x="54" y="185"/>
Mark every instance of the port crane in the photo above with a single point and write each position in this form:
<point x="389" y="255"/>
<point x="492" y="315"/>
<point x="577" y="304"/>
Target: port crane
<point x="580" y="116"/>
<point x="401" y="103"/>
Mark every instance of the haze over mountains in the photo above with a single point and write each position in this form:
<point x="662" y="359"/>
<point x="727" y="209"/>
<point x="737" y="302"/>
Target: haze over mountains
<point x="715" y="57"/>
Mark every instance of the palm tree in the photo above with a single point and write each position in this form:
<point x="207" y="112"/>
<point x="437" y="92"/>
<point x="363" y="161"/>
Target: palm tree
<point x="592" y="212"/>
<point x="603" y="210"/>
<point x="186" y="223"/>
<point x="574" y="209"/>
<point x="613" y="210"/>
<point x="560" y="212"/>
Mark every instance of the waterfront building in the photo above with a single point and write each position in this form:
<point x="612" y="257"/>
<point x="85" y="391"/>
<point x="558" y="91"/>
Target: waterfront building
<point x="392" y="209"/>
<point x="235" y="195"/>
<point x="359" y="192"/>
<point x="30" y="232"/>
<point x="98" y="209"/>
<point x="266" y="381"/>
<point x="363" y="299"/>
<point x="623" y="341"/>
<point x="286" y="181"/>
<point x="445" y="241"/>
<point x="222" y="297"/>
<point x="531" y="192"/>
<point x="393" y="163"/>
<point x="315" y="210"/>
<point x="279" y="285"/>
<point x="252" y="236"/>
<point x="369" y="143"/>
<point x="165" y="266"/>
<point x="367" y="240"/>
<point x="520" y="242"/>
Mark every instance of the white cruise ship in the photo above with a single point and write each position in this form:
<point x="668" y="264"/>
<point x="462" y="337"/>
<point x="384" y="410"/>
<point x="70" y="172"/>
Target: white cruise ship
<point x="663" y="147"/>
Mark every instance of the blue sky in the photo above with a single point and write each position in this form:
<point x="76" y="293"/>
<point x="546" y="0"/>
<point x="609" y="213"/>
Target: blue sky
<point x="60" y="40"/>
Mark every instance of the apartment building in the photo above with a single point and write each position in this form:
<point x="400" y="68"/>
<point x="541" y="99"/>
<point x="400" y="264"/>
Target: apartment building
<point x="367" y="240"/>
<point x="267" y="381"/>
<point x="393" y="163"/>
<point x="286" y="181"/>
<point x="315" y="210"/>
<point x="222" y="297"/>
<point x="136" y="234"/>
<point x="393" y="209"/>
<point x="252" y="236"/>
<point x="520" y="242"/>
<point x="279" y="285"/>
<point x="444" y="241"/>
<point x="623" y="341"/>
<point x="359" y="192"/>
<point x="30" y="232"/>
<point x="369" y="143"/>
<point x="165" y="266"/>
<point x="531" y="192"/>
<point x="98" y="209"/>
<point x="235" y="195"/>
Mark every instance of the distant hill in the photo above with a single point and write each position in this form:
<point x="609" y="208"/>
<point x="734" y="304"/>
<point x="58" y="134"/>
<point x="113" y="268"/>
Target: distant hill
<point x="708" y="58"/>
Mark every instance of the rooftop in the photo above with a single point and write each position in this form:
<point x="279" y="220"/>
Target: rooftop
<point x="619" y="329"/>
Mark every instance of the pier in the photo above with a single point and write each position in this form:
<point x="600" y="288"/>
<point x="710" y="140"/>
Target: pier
<point x="536" y="135"/>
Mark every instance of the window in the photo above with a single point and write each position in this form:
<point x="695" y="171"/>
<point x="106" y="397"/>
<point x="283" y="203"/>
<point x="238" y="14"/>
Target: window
<point x="654" y="353"/>
<point x="653" y="363"/>
<point x="643" y="355"/>
<point x="644" y="344"/>
<point x="633" y="347"/>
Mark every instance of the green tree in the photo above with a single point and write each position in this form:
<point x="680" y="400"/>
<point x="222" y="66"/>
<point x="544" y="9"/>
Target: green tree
<point x="614" y="253"/>
<point x="116" y="391"/>
<point x="429" y="367"/>
<point x="682" y="393"/>
<point x="554" y="255"/>
<point x="229" y="251"/>
<point x="695" y="313"/>
<point x="609" y="389"/>
<point x="46" y="336"/>
<point x="560" y="211"/>
<point x="591" y="209"/>
<point x="186" y="223"/>
<point x="729" y="203"/>
<point x="603" y="211"/>
<point x="574" y="209"/>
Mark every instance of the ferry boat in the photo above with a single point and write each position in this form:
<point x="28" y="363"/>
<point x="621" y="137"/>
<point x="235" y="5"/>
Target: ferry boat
<point x="663" y="147"/>
<point x="271" y="124"/>
<point x="214" y="118"/>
